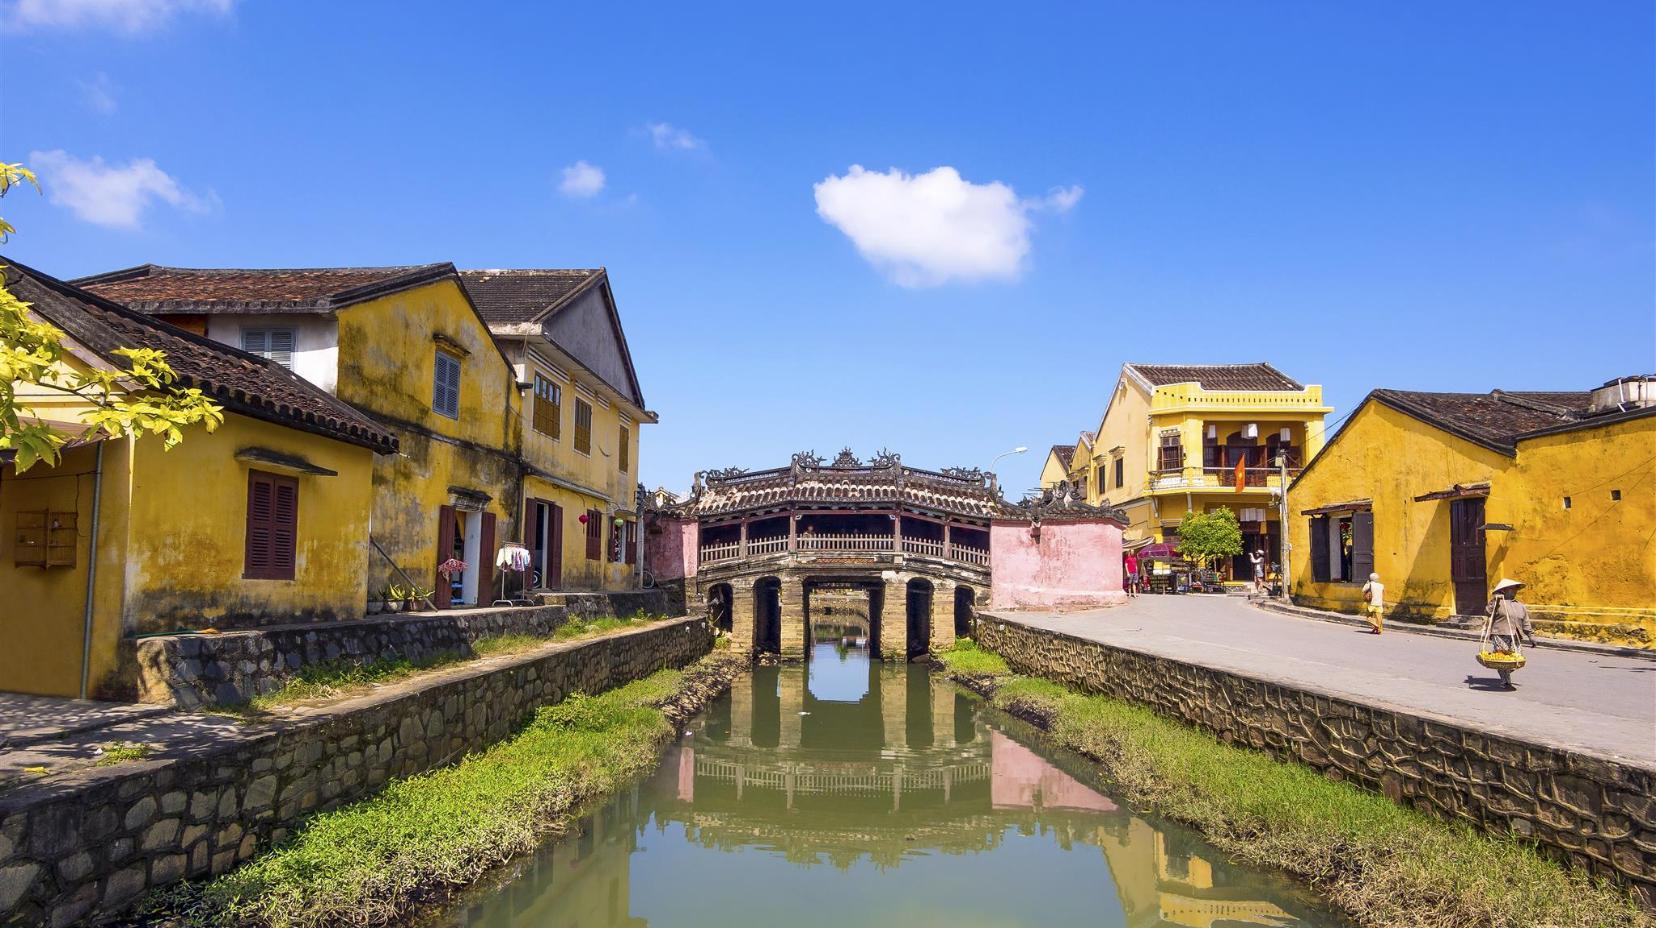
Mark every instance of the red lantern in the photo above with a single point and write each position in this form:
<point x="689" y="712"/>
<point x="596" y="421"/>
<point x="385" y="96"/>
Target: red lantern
<point x="583" y="518"/>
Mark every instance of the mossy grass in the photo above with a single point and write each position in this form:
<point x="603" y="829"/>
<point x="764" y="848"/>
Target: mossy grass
<point x="1385" y="865"/>
<point x="119" y="752"/>
<point x="967" y="659"/>
<point x="377" y="861"/>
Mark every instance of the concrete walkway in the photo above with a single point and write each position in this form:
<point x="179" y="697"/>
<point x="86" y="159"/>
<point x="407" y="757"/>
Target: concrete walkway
<point x="1602" y="704"/>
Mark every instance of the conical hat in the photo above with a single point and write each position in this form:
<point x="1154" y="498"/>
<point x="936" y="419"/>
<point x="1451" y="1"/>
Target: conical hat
<point x="1506" y="583"/>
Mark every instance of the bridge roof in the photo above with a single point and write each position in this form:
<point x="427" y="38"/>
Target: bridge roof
<point x="847" y="483"/>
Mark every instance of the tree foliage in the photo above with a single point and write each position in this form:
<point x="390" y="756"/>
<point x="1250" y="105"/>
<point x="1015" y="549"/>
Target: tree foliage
<point x="133" y="400"/>
<point x="1212" y="535"/>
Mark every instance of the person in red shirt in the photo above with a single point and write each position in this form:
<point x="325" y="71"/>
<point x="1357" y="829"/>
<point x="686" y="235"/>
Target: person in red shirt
<point x="1131" y="574"/>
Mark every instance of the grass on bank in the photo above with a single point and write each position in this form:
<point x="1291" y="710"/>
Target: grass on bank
<point x="373" y="862"/>
<point x="333" y="679"/>
<point x="119" y="752"/>
<point x="1386" y="865"/>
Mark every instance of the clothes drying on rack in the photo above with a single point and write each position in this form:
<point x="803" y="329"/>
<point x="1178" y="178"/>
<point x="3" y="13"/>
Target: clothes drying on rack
<point x="513" y="557"/>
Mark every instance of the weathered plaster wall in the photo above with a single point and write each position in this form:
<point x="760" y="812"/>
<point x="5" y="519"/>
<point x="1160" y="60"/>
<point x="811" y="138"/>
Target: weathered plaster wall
<point x="85" y="845"/>
<point x="1597" y="813"/>
<point x="671" y="546"/>
<point x="1071" y="564"/>
<point x="316" y="340"/>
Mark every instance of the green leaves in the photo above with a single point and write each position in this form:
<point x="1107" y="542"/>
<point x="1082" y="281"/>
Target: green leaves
<point x="1209" y="536"/>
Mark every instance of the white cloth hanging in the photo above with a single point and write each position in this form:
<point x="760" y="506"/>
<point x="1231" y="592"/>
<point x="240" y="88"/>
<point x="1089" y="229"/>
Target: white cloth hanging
<point x="513" y="557"/>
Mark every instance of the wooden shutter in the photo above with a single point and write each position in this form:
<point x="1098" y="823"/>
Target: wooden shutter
<point x="631" y="543"/>
<point x="445" y="544"/>
<point x="554" y="558"/>
<point x="486" y="558"/>
<point x="1319" y="549"/>
<point x="272" y="526"/>
<point x="594" y="535"/>
<point x="583" y="426"/>
<point x="253" y="341"/>
<point x="1362" y="545"/>
<point x="280" y="347"/>
<point x="624" y="444"/>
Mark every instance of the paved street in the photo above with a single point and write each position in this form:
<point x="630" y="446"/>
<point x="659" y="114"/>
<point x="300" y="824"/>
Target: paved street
<point x="1602" y="704"/>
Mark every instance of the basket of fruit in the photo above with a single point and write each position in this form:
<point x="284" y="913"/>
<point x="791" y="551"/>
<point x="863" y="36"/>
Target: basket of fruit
<point x="1501" y="660"/>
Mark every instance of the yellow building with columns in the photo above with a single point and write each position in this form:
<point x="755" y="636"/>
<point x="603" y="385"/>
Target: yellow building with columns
<point x="1444" y="493"/>
<point x="1173" y="436"/>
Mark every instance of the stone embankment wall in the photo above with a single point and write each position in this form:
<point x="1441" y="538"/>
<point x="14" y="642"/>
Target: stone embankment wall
<point x="197" y="670"/>
<point x="1596" y="813"/>
<point x="86" y="844"/>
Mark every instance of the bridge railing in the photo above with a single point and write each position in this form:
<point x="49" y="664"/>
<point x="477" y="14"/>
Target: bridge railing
<point x="843" y="542"/>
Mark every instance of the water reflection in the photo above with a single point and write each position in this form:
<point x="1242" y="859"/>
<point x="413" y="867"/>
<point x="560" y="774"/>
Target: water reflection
<point x="851" y="792"/>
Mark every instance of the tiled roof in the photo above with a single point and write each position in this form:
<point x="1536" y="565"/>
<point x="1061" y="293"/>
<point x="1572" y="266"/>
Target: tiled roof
<point x="1495" y="419"/>
<point x="241" y="382"/>
<point x="1066" y="453"/>
<point x="1257" y="376"/>
<point x="525" y="295"/>
<point x="1091" y="438"/>
<point x="152" y="288"/>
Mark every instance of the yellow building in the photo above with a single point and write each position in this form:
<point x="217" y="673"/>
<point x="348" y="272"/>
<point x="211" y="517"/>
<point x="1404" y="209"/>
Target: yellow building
<point x="1173" y="436"/>
<point x="406" y="346"/>
<point x="261" y="520"/>
<point x="1057" y="466"/>
<point x="1442" y="493"/>
<point x="580" y="422"/>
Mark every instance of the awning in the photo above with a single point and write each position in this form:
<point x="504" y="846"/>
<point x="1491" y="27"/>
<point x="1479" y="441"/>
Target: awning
<point x="1350" y="505"/>
<point x="1458" y="491"/>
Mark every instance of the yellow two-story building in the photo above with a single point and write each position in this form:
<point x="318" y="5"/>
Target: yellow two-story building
<point x="1178" y="438"/>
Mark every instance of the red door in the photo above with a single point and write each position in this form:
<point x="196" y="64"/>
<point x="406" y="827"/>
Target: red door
<point x="1467" y="567"/>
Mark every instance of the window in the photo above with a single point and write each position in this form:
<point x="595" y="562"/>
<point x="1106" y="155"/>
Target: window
<point x="1566" y="502"/>
<point x="1615" y="495"/>
<point x="445" y="386"/>
<point x="1171" y="455"/>
<point x="623" y="445"/>
<point x="595" y="531"/>
<point x="583" y="426"/>
<point x="548" y="415"/>
<point x="272" y="526"/>
<point x="631" y="542"/>
<point x="1120" y="472"/>
<point x="275" y="344"/>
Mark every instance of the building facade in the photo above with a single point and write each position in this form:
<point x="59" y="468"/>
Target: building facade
<point x="1443" y="493"/>
<point x="1196" y="437"/>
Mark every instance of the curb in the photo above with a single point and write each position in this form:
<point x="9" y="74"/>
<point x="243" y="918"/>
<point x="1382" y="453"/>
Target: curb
<point x="1555" y="644"/>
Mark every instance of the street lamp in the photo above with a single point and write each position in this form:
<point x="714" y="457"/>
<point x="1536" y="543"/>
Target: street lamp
<point x="1018" y="450"/>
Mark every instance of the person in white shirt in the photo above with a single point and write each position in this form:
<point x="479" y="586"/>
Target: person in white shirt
<point x="1374" y="596"/>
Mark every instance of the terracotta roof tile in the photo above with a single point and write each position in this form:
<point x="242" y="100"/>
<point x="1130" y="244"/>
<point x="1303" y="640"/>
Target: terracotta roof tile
<point x="1495" y="419"/>
<point x="153" y="288"/>
<point x="241" y="382"/>
<point x="1066" y="453"/>
<point x="1256" y="376"/>
<point x="525" y="295"/>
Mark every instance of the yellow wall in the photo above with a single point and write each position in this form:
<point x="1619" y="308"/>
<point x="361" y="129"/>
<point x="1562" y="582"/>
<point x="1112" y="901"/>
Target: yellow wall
<point x="1053" y="470"/>
<point x="387" y="357"/>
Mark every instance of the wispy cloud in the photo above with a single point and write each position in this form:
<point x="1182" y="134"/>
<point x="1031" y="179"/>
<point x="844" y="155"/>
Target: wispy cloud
<point x="668" y="137"/>
<point x="122" y="15"/>
<point x="99" y="92"/>
<point x="113" y="196"/>
<point x="924" y="230"/>
<point x="582" y="180"/>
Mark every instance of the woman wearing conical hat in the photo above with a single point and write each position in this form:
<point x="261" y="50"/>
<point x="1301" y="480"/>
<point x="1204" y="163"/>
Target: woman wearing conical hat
<point x="1506" y="620"/>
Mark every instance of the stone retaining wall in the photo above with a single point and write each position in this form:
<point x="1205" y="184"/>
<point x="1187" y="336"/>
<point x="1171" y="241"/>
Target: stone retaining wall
<point x="197" y="670"/>
<point x="1595" y="813"/>
<point x="86" y="844"/>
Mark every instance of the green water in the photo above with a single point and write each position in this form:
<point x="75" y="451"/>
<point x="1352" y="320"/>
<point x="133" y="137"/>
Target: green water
<point x="848" y="792"/>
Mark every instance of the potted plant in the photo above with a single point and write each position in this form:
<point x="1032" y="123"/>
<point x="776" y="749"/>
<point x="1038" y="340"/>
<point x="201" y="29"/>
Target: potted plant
<point x="396" y="598"/>
<point x="418" y="596"/>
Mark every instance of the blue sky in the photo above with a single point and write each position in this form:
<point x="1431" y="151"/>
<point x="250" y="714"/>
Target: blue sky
<point x="1445" y="196"/>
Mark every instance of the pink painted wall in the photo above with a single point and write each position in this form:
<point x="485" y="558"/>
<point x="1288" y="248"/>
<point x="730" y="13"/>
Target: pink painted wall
<point x="1072" y="565"/>
<point x="671" y="546"/>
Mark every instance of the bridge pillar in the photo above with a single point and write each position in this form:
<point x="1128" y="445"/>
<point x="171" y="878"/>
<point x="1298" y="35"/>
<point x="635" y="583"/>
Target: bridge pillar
<point x="791" y="686"/>
<point x="741" y="616"/>
<point x="794" y="631"/>
<point x="741" y="716"/>
<point x="942" y="615"/>
<point x="942" y="711"/>
<point x="894" y="619"/>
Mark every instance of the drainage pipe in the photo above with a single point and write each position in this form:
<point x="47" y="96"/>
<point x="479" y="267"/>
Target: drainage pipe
<point x="91" y="574"/>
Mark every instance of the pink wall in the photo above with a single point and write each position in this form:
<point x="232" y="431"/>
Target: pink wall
<point x="1072" y="565"/>
<point x="670" y="547"/>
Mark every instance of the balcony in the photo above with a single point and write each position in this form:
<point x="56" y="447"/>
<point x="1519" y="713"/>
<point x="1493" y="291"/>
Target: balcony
<point x="844" y="544"/>
<point x="1216" y="478"/>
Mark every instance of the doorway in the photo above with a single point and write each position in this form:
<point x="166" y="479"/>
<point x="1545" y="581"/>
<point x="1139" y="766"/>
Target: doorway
<point x="767" y="616"/>
<point x="1468" y="569"/>
<point x="545" y="543"/>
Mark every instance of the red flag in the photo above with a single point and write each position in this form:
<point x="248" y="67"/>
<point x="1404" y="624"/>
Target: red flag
<point x="1241" y="473"/>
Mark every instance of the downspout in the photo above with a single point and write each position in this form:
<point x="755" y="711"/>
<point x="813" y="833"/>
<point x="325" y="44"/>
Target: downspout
<point x="91" y="574"/>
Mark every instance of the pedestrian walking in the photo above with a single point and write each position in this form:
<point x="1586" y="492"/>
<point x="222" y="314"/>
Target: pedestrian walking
<point x="1506" y="620"/>
<point x="1130" y="569"/>
<point x="1374" y="602"/>
<point x="1257" y="559"/>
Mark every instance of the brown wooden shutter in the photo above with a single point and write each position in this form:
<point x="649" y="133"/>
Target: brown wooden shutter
<point x="272" y="526"/>
<point x="486" y="556"/>
<point x="1362" y="545"/>
<point x="1319" y="549"/>
<point x="445" y="544"/>
<point x="554" y="558"/>
<point x="594" y="536"/>
<point x="632" y="542"/>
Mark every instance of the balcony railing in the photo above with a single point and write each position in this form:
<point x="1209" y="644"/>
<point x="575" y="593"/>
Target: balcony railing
<point x="845" y="543"/>
<point x="1193" y="478"/>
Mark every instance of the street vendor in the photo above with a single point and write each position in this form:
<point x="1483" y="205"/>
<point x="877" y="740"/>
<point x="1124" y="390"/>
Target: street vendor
<point x="1506" y="620"/>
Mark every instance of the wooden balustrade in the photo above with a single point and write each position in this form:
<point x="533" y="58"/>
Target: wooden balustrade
<point x="885" y="544"/>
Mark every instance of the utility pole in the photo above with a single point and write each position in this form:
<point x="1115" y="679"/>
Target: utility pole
<point x="1282" y="521"/>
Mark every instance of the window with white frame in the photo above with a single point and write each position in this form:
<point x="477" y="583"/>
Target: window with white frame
<point x="275" y="344"/>
<point x="445" y="386"/>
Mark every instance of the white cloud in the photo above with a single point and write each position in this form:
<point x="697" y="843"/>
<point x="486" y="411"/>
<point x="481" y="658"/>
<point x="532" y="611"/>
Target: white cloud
<point x="124" y="15"/>
<point x="582" y="180"/>
<point x="100" y="93"/>
<point x="114" y="196"/>
<point x="923" y="230"/>
<point x="668" y="137"/>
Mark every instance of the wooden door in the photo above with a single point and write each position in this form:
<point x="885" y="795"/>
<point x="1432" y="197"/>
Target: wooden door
<point x="1467" y="567"/>
<point x="554" y="553"/>
<point x="445" y="547"/>
<point x="486" y="553"/>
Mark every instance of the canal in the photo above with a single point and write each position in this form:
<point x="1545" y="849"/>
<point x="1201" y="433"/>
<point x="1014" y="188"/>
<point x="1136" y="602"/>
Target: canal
<point x="848" y="792"/>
